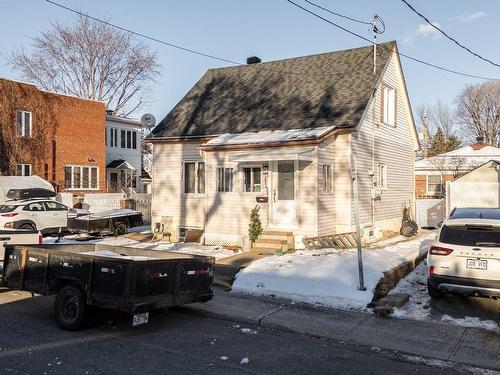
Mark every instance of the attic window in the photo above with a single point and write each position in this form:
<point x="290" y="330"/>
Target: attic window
<point x="388" y="110"/>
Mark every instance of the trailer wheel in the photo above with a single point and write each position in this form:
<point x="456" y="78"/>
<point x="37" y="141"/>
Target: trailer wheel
<point x="121" y="229"/>
<point x="27" y="226"/>
<point x="69" y="308"/>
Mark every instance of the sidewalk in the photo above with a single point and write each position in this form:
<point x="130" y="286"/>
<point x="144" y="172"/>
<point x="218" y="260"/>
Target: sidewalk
<point x="466" y="346"/>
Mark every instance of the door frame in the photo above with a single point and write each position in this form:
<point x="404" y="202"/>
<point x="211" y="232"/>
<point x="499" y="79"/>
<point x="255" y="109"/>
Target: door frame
<point x="273" y="168"/>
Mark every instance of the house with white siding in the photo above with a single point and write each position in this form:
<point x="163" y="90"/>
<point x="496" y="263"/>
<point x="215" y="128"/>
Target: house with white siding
<point x="286" y="135"/>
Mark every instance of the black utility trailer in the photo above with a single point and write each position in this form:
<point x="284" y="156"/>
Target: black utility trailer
<point x="130" y="280"/>
<point x="117" y="221"/>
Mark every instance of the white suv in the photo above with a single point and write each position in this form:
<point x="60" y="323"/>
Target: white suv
<point x="466" y="257"/>
<point x="45" y="215"/>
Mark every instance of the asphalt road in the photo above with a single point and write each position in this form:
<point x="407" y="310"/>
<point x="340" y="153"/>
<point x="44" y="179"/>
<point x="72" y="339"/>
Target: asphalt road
<point x="173" y="343"/>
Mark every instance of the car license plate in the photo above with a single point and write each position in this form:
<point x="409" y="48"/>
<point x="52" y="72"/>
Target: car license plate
<point x="140" y="319"/>
<point x="477" y="264"/>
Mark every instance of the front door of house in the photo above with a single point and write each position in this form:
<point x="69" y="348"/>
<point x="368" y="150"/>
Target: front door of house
<point x="284" y="194"/>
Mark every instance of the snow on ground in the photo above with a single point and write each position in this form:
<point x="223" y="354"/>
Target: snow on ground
<point x="188" y="248"/>
<point x="422" y="307"/>
<point x="327" y="277"/>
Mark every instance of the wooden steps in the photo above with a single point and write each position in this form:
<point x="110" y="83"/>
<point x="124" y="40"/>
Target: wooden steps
<point x="340" y="241"/>
<point x="272" y="242"/>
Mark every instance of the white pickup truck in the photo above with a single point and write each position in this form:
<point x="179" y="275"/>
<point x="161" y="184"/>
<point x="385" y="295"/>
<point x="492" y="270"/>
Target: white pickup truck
<point x="18" y="237"/>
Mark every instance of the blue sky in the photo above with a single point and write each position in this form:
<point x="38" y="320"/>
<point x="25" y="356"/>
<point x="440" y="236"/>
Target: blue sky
<point x="274" y="29"/>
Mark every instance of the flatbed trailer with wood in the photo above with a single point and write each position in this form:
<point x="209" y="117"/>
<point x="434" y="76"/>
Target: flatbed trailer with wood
<point x="130" y="280"/>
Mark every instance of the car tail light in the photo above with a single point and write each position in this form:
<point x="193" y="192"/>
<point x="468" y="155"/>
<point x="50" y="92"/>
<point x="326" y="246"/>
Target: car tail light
<point x="437" y="250"/>
<point x="431" y="270"/>
<point x="40" y="239"/>
<point x="10" y="214"/>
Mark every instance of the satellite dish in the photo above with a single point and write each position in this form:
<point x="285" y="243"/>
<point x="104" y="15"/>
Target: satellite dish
<point x="148" y="120"/>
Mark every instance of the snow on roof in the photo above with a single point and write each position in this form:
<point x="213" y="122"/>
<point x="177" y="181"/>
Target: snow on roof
<point x="471" y="157"/>
<point x="269" y="136"/>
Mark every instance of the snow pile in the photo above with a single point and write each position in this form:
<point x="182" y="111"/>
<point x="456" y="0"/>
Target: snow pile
<point x="471" y="321"/>
<point x="422" y="307"/>
<point x="326" y="277"/>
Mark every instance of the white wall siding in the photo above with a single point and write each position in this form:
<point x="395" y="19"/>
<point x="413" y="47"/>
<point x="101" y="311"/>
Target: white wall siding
<point x="168" y="199"/>
<point x="229" y="212"/>
<point x="308" y="198"/>
<point x="394" y="147"/>
<point x="334" y="209"/>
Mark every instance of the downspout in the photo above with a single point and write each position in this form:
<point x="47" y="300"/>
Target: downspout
<point x="374" y="99"/>
<point x="373" y="156"/>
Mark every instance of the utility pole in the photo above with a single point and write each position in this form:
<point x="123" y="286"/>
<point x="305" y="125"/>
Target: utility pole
<point x="425" y="121"/>
<point x="374" y="28"/>
<point x="354" y="175"/>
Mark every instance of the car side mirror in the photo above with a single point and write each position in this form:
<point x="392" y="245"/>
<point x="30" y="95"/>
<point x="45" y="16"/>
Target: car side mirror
<point x="440" y="224"/>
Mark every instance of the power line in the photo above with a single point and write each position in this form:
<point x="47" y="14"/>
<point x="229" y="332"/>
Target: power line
<point x="185" y="49"/>
<point x="350" y="18"/>
<point x="143" y="35"/>
<point x="399" y="53"/>
<point x="338" y="14"/>
<point x="447" y="36"/>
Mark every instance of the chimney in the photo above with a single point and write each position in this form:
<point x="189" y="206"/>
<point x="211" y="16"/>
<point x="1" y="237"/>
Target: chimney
<point x="253" y="60"/>
<point x="479" y="144"/>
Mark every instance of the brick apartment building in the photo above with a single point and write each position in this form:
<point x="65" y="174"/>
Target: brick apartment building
<point x="57" y="137"/>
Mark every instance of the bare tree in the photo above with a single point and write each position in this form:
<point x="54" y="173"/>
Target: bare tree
<point x="442" y="118"/>
<point x="92" y="60"/>
<point x="478" y="109"/>
<point x="454" y="166"/>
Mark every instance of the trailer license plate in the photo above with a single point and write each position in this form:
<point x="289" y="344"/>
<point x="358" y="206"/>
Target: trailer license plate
<point x="477" y="264"/>
<point x="140" y="319"/>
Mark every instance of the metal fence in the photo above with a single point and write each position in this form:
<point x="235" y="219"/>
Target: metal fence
<point x="430" y="212"/>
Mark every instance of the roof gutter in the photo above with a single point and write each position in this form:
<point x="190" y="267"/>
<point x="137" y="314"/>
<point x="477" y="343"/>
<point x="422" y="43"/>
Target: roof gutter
<point x="183" y="139"/>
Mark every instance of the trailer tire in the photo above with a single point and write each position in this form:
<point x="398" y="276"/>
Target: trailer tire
<point x="69" y="308"/>
<point x="121" y="229"/>
<point x="27" y="226"/>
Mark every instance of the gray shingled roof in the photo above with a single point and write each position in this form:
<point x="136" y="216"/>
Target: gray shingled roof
<point x="311" y="91"/>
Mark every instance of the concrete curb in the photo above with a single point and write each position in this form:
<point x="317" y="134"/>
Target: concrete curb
<point x="463" y="346"/>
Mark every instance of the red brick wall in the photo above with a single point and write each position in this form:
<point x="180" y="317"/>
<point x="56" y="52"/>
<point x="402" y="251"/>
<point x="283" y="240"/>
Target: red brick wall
<point x="421" y="184"/>
<point x="76" y="127"/>
<point x="80" y="137"/>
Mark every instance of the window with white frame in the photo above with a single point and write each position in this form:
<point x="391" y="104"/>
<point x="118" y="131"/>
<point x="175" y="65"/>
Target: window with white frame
<point x="389" y="105"/>
<point x="382" y="176"/>
<point x="23" y="124"/>
<point x="24" y="169"/>
<point x="434" y="184"/>
<point x="327" y="179"/>
<point x="224" y="179"/>
<point x="81" y="177"/>
<point x="194" y="177"/>
<point x="252" y="179"/>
